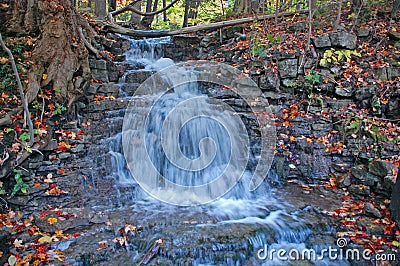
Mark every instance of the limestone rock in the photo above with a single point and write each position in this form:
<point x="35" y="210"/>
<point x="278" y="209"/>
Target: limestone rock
<point x="343" y="40"/>
<point x="372" y="210"/>
<point x="381" y="168"/>
<point x="287" y="68"/>
<point x="322" y="42"/>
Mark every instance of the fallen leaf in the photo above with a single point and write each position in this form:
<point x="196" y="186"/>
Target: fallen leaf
<point x="52" y="220"/>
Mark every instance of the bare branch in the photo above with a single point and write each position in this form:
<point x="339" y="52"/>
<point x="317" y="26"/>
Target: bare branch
<point x="21" y="91"/>
<point x="89" y="46"/>
<point x="212" y="26"/>
<point x="134" y="10"/>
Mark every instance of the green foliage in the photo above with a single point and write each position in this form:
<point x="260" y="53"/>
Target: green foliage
<point x="20" y="185"/>
<point x="24" y="136"/>
<point x="8" y="78"/>
<point x="36" y="105"/>
<point x="333" y="56"/>
<point x="59" y="109"/>
<point x="353" y="125"/>
<point x="258" y="50"/>
<point x="313" y="77"/>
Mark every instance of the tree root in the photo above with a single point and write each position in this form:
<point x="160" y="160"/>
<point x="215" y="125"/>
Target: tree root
<point x="21" y="91"/>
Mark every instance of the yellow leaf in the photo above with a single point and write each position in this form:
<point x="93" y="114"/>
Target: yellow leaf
<point x="28" y="148"/>
<point x="52" y="220"/>
<point x="3" y="60"/>
<point x="45" y="239"/>
<point x="44" y="76"/>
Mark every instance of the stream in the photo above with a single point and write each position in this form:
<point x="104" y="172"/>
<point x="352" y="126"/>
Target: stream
<point x="211" y="227"/>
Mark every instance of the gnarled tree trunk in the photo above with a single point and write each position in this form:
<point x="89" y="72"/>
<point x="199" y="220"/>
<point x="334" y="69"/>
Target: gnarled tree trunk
<point x="59" y="53"/>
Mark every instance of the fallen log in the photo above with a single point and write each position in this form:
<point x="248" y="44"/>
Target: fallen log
<point x="112" y="27"/>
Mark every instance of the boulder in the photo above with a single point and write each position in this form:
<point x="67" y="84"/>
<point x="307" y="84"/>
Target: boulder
<point x="343" y="40"/>
<point x="298" y="26"/>
<point x="287" y="68"/>
<point x="372" y="210"/>
<point x="381" y="168"/>
<point x="363" y="32"/>
<point x="395" y="36"/>
<point x="344" y="92"/>
<point x="138" y="76"/>
<point x="322" y="42"/>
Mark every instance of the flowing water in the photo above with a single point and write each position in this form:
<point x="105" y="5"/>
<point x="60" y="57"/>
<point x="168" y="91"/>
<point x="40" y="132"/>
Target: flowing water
<point x="228" y="231"/>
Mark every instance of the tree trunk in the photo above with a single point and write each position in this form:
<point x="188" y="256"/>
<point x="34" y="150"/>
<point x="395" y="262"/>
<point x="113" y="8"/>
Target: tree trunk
<point x="186" y="15"/>
<point x="113" y="4"/>
<point x="135" y="18"/>
<point x="101" y="8"/>
<point x="164" y="4"/>
<point x="59" y="51"/>
<point x="395" y="9"/>
<point x="147" y="20"/>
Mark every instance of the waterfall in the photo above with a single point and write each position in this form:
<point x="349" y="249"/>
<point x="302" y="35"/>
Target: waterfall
<point x="180" y="130"/>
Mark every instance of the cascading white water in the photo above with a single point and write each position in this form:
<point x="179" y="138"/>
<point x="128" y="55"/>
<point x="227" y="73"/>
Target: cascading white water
<point x="241" y="221"/>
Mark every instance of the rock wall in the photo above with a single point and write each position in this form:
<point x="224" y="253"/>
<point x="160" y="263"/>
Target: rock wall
<point x="321" y="141"/>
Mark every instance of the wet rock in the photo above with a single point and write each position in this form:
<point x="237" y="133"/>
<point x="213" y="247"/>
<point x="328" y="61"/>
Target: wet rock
<point x="113" y="76"/>
<point x="363" y="32"/>
<point x="287" y="68"/>
<point x="101" y="75"/>
<point x="269" y="81"/>
<point x="101" y="64"/>
<point x="364" y="176"/>
<point x="298" y="27"/>
<point x="343" y="181"/>
<point x="107" y="105"/>
<point x="79" y="148"/>
<point x="341" y="167"/>
<point x="395" y="201"/>
<point x="343" y="40"/>
<point x="381" y="168"/>
<point x="395" y="36"/>
<point x="372" y="210"/>
<point x="130" y="88"/>
<point x="64" y="155"/>
<point x="344" y="92"/>
<point x="5" y="121"/>
<point x="185" y="41"/>
<point x="389" y="183"/>
<point x="73" y="218"/>
<point x="34" y="165"/>
<point x="109" y="89"/>
<point x="125" y="45"/>
<point x="92" y="89"/>
<point x="360" y="190"/>
<point x="322" y="41"/>
<point x="52" y="145"/>
<point x="120" y="58"/>
<point x="138" y="76"/>
<point x="374" y="229"/>
<point x="364" y="93"/>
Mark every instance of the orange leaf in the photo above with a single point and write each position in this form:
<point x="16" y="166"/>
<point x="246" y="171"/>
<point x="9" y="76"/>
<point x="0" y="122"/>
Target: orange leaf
<point x="52" y="220"/>
<point x="61" y="170"/>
